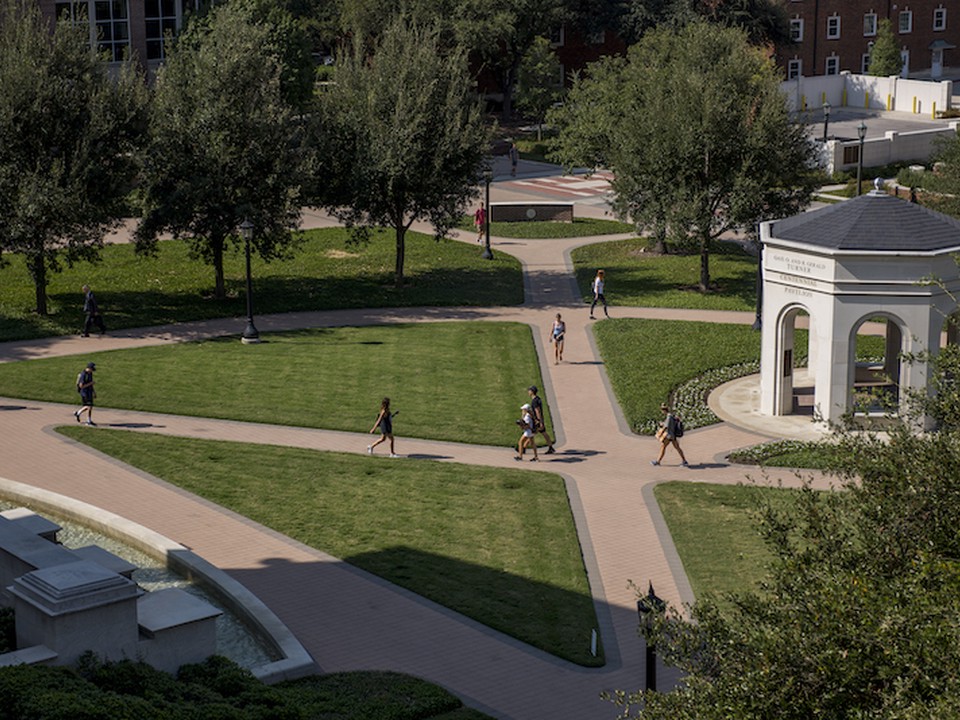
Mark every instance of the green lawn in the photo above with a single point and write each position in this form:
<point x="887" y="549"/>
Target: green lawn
<point x="635" y="277"/>
<point x="713" y="528"/>
<point x="646" y="359"/>
<point x="536" y="229"/>
<point x="498" y="545"/>
<point x="787" y="453"/>
<point x="324" y="272"/>
<point x="330" y="378"/>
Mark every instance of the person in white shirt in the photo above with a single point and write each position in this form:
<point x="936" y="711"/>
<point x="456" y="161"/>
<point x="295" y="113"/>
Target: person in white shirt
<point x="527" y="437"/>
<point x="598" y="295"/>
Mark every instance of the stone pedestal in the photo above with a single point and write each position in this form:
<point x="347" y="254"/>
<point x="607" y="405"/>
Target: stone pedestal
<point x="178" y="628"/>
<point x="31" y="522"/>
<point x="77" y="607"/>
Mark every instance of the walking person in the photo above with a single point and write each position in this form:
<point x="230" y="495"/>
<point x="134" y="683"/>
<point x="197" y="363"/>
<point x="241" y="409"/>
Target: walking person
<point x="539" y="426"/>
<point x="480" y="221"/>
<point x="557" y="332"/>
<point x="92" y="311"/>
<point x="87" y="393"/>
<point x="384" y="424"/>
<point x="514" y="154"/>
<point x="670" y="429"/>
<point x="598" y="283"/>
<point x="527" y="436"/>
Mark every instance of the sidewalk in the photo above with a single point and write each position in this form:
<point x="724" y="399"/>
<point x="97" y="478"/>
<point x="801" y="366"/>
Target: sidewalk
<point x="348" y="619"/>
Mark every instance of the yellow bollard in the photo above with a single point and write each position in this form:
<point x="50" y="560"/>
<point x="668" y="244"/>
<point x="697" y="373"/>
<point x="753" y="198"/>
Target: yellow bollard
<point x="914" y="104"/>
<point x="803" y="102"/>
<point x="866" y="100"/>
<point x="823" y="98"/>
<point x="843" y="97"/>
<point x="933" y="115"/>
<point x="889" y="102"/>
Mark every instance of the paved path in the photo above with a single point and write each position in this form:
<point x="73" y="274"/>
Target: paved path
<point x="348" y="619"/>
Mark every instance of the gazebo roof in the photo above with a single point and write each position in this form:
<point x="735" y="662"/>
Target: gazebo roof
<point x="875" y="222"/>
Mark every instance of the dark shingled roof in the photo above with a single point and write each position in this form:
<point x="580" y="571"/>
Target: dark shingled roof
<point x="875" y="221"/>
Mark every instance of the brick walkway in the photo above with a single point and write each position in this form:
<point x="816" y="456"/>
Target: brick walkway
<point x="348" y="619"/>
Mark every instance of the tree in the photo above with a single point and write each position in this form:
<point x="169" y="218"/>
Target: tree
<point x="403" y="134"/>
<point x="885" y="57"/>
<point x="764" y="21"/>
<point x="501" y="32"/>
<point x="697" y="133"/>
<point x="67" y="134"/>
<point x="223" y="143"/>
<point x="540" y="83"/>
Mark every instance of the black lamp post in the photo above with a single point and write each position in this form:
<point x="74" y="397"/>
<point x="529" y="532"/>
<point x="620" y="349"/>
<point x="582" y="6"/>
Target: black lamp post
<point x="826" y="119"/>
<point x="862" y="134"/>
<point x="488" y="178"/>
<point x="758" y="320"/>
<point x="250" y="334"/>
<point x="647" y="607"/>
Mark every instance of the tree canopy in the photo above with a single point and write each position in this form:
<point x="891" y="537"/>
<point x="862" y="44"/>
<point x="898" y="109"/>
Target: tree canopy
<point x="697" y="133"/>
<point x="67" y="136"/>
<point x="885" y="57"/>
<point x="860" y="617"/>
<point x="540" y="84"/>
<point x="224" y="144"/>
<point x="403" y="135"/>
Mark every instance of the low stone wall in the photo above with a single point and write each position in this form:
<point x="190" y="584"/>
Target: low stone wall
<point x="525" y="212"/>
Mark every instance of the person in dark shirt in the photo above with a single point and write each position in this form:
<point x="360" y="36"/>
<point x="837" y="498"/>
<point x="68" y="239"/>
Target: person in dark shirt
<point x="87" y="393"/>
<point x="92" y="311"/>
<point x="540" y="426"/>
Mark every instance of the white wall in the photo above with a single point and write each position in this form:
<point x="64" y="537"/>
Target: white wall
<point x="922" y="97"/>
<point x="892" y="147"/>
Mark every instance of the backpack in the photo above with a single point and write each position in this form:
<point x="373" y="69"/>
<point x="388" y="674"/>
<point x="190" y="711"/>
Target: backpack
<point x="677" y="427"/>
<point x="79" y="379"/>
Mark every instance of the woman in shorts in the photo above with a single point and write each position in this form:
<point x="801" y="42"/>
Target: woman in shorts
<point x="528" y="436"/>
<point x="384" y="424"/>
<point x="556" y="334"/>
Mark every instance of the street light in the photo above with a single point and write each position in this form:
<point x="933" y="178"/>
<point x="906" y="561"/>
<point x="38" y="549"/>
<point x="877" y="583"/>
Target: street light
<point x="758" y="320"/>
<point x="250" y="334"/>
<point x="488" y="178"/>
<point x="826" y="119"/>
<point x="862" y="134"/>
<point x="647" y="607"/>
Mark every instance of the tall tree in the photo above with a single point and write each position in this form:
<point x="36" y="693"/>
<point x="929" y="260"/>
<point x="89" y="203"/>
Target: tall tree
<point x="697" y="133"/>
<point x="223" y="142"/>
<point x="885" y="57"/>
<point x="403" y="134"/>
<point x="540" y="83"/>
<point x="67" y="135"/>
<point x="501" y="32"/>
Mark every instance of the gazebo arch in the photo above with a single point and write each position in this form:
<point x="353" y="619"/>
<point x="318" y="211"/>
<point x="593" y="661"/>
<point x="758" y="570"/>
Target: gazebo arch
<point x="844" y="265"/>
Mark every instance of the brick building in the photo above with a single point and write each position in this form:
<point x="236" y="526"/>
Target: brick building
<point x="830" y="36"/>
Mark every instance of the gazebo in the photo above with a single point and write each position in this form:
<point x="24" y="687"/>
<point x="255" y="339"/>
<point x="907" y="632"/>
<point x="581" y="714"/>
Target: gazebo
<point x="865" y="260"/>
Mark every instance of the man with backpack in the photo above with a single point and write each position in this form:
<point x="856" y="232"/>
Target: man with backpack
<point x="670" y="429"/>
<point x="536" y="404"/>
<point x="87" y="393"/>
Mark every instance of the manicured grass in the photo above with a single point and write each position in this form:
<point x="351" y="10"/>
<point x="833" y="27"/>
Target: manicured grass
<point x="461" y="381"/>
<point x="787" y="453"/>
<point x="533" y="230"/>
<point x="713" y="528"/>
<point x="498" y="545"/>
<point x="324" y="272"/>
<point x="646" y="359"/>
<point x="635" y="277"/>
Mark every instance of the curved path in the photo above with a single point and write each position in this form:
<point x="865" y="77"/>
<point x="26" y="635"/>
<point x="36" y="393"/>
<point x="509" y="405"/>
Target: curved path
<point x="348" y="619"/>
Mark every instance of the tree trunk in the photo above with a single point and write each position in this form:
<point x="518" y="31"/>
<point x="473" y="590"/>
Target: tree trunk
<point x="508" y="84"/>
<point x="704" y="262"/>
<point x="401" y="231"/>
<point x="38" y="271"/>
<point x="216" y="248"/>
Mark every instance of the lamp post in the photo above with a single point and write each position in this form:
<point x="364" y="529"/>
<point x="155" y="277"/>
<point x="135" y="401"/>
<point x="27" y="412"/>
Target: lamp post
<point x="758" y="319"/>
<point x="250" y="334"/>
<point x="488" y="178"/>
<point x="862" y="134"/>
<point x="826" y="119"/>
<point x="647" y="606"/>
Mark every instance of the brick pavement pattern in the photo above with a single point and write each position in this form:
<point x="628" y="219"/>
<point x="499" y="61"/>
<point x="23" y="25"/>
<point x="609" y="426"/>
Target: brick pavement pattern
<point x="348" y="619"/>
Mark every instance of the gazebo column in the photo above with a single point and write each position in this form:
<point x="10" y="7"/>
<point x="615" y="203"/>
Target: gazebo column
<point x="833" y="370"/>
<point x="891" y="353"/>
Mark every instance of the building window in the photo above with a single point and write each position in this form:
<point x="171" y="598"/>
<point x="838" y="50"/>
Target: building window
<point x="556" y="37"/>
<point x="794" y="69"/>
<point x="161" y="19"/>
<point x="906" y="22"/>
<point x="851" y="154"/>
<point x="109" y="22"/>
<point x="796" y="30"/>
<point x="864" y="63"/>
<point x="940" y="19"/>
<point x="833" y="27"/>
<point x="869" y="24"/>
<point x="833" y="65"/>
